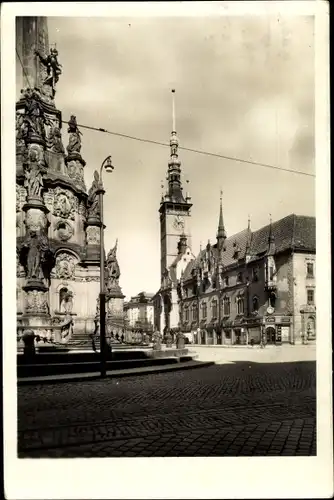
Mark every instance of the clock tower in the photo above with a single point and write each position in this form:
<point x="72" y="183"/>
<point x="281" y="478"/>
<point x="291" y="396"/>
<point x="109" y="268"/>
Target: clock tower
<point x="174" y="208"/>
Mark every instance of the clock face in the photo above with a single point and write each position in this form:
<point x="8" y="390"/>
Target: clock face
<point x="178" y="222"/>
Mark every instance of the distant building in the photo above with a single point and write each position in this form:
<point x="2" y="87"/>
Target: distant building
<point x="140" y="312"/>
<point x="243" y="288"/>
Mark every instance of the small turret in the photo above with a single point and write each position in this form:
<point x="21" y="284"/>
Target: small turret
<point x="221" y="233"/>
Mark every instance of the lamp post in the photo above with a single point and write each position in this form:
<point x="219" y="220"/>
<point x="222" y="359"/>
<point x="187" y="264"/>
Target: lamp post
<point x="107" y="164"/>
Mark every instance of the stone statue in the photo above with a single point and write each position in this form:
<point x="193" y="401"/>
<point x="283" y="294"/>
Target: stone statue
<point x="21" y="130"/>
<point x="34" y="175"/>
<point x="66" y="304"/>
<point x="55" y="143"/>
<point x="93" y="202"/>
<point x="74" y="145"/>
<point x="66" y="329"/>
<point x="34" y="117"/>
<point x="113" y="270"/>
<point x="53" y="68"/>
<point x="36" y="256"/>
<point x="156" y="337"/>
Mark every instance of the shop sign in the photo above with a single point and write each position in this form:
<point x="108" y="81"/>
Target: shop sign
<point x="270" y="320"/>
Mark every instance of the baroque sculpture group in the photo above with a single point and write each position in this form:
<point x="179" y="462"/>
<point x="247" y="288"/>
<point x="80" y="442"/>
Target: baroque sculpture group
<point x="57" y="222"/>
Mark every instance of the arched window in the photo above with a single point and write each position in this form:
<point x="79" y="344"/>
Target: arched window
<point x="194" y="312"/>
<point x="255" y="303"/>
<point x="240" y="305"/>
<point x="226" y="306"/>
<point x="62" y="295"/>
<point x="214" y="308"/>
<point x="204" y="310"/>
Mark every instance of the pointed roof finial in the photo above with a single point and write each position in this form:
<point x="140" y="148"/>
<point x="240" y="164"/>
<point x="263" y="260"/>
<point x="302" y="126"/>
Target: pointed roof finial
<point x="173" y="110"/>
<point x="271" y="239"/>
<point x="249" y="222"/>
<point x="221" y="233"/>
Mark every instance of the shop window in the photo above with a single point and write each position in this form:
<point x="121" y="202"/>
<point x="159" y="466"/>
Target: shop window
<point x="255" y="304"/>
<point x="310" y="297"/>
<point x="226" y="306"/>
<point x="310" y="270"/>
<point x="227" y="334"/>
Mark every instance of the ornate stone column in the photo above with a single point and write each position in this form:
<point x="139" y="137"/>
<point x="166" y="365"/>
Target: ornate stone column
<point x="35" y="253"/>
<point x="93" y="222"/>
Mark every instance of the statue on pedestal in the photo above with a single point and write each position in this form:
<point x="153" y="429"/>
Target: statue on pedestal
<point x="93" y="204"/>
<point x="34" y="175"/>
<point x="156" y="337"/>
<point x="34" y="117"/>
<point x="36" y="256"/>
<point x="53" y="68"/>
<point x="74" y="145"/>
<point x="113" y="271"/>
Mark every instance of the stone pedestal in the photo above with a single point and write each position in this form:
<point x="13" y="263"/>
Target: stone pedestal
<point x="115" y="311"/>
<point x="75" y="168"/>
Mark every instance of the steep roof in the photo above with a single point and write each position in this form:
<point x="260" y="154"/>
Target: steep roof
<point x="227" y="257"/>
<point x="292" y="232"/>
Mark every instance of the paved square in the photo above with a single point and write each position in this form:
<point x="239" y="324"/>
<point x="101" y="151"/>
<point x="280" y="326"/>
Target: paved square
<point x="253" y="402"/>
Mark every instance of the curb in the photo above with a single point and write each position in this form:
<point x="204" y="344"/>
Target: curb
<point x="187" y="365"/>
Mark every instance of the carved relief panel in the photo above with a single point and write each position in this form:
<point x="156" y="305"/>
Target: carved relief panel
<point x="65" y="203"/>
<point x="65" y="266"/>
<point x="37" y="302"/>
<point x="93" y="235"/>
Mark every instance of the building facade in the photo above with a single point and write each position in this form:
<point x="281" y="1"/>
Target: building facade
<point x="260" y="287"/>
<point x="57" y="221"/>
<point x="140" y="312"/>
<point x="251" y="287"/>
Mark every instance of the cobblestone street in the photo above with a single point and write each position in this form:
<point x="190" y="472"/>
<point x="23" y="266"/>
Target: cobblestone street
<point x="238" y="407"/>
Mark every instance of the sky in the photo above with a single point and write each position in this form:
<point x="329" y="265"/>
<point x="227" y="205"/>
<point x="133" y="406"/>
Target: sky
<point x="244" y="88"/>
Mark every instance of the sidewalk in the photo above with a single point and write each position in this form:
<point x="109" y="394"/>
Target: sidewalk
<point x="76" y="377"/>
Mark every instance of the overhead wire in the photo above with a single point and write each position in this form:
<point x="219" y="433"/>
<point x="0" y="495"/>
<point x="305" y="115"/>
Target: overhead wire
<point x="192" y="150"/>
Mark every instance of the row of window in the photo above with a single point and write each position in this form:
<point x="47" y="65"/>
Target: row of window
<point x="214" y="307"/>
<point x="240" y="306"/>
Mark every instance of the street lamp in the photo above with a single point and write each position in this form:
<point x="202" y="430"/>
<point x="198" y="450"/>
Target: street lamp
<point x="108" y="166"/>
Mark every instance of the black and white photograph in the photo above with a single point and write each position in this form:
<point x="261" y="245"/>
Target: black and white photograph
<point x="168" y="302"/>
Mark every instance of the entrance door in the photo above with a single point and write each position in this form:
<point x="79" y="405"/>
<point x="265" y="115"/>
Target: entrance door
<point x="271" y="335"/>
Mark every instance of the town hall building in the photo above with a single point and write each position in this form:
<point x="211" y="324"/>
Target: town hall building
<point x="250" y="287"/>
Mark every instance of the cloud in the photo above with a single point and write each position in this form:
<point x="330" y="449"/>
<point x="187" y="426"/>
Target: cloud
<point x="245" y="88"/>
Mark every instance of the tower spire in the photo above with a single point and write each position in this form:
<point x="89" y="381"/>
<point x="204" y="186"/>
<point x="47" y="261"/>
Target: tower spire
<point x="221" y="233"/>
<point x="174" y="165"/>
<point x="173" y="110"/>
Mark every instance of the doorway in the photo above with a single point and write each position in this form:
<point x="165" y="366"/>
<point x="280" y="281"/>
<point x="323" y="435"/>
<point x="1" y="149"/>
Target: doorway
<point x="271" y="335"/>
